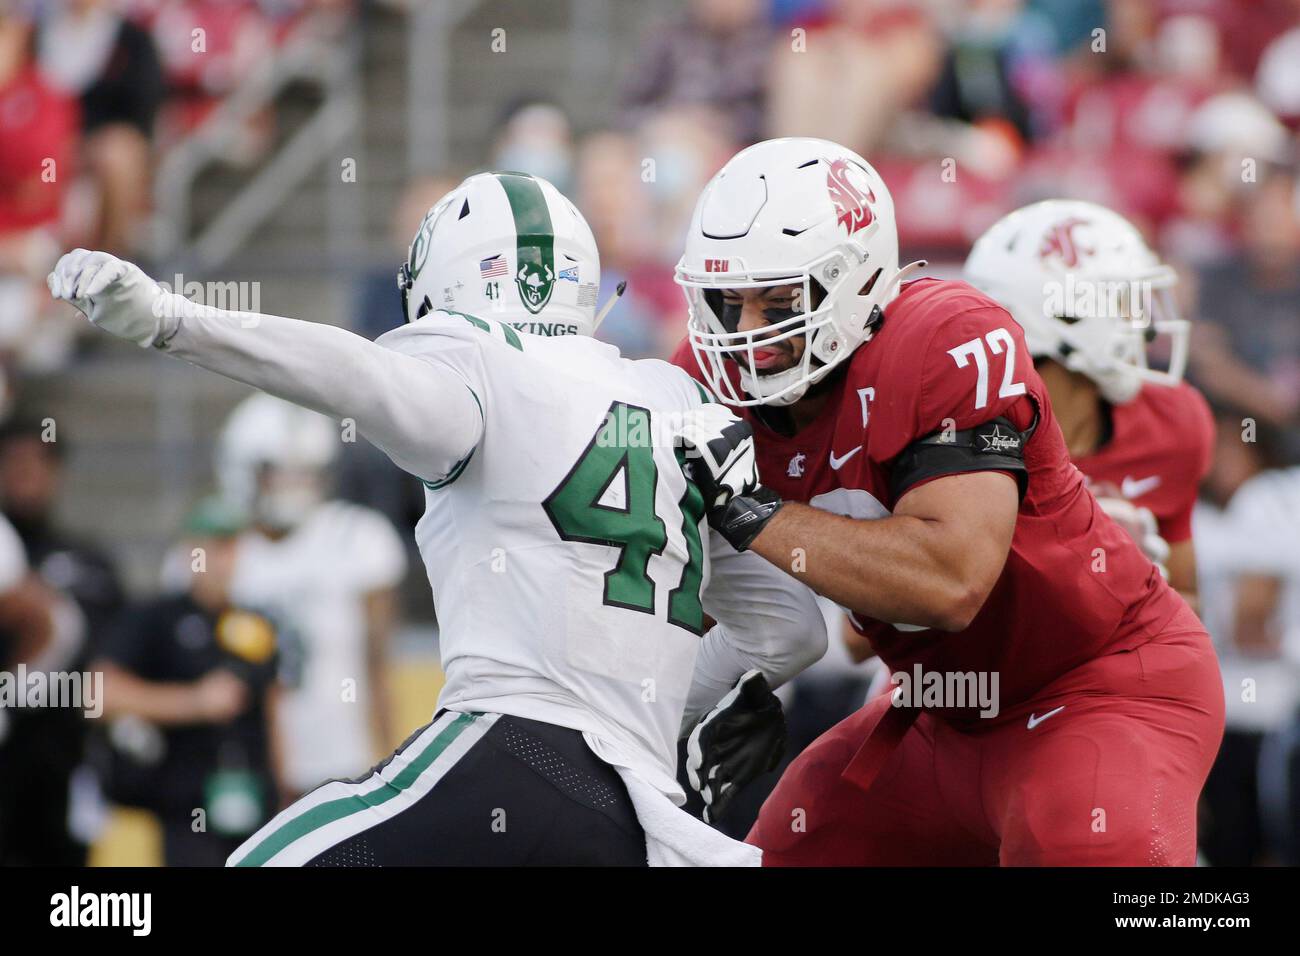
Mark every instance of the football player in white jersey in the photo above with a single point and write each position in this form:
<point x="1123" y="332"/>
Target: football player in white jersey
<point x="573" y="575"/>
<point x="327" y="570"/>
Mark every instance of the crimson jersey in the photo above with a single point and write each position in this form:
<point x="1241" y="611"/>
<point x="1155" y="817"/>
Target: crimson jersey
<point x="946" y="356"/>
<point x="1158" y="452"/>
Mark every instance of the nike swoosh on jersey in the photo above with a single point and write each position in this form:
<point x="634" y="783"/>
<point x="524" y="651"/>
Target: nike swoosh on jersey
<point x="836" y="463"/>
<point x="1035" y="721"/>
<point x="1132" y="487"/>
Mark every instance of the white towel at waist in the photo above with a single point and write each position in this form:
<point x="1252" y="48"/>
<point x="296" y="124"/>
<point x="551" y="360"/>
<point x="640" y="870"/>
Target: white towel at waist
<point x="675" y="838"/>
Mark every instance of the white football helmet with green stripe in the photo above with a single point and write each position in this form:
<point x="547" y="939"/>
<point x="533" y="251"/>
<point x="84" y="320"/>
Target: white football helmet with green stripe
<point x="506" y="246"/>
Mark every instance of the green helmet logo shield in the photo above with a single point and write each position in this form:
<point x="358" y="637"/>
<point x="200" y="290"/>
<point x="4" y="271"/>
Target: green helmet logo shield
<point x="534" y="240"/>
<point x="535" y="285"/>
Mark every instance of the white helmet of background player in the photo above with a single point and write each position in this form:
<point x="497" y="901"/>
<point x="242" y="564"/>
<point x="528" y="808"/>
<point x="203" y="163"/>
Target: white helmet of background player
<point x="1088" y="291"/>
<point x="796" y="211"/>
<point x="272" y="458"/>
<point x="507" y="246"/>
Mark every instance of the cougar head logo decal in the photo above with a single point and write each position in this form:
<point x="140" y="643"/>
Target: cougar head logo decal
<point x="852" y="204"/>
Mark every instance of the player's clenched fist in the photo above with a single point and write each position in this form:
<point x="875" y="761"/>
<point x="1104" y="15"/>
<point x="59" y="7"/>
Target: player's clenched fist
<point x="720" y="461"/>
<point x="114" y="294"/>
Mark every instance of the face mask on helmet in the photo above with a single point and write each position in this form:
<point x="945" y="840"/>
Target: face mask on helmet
<point x="1088" y="292"/>
<point x="799" y="212"/>
<point x="1117" y="327"/>
<point x="830" y="330"/>
<point x="286" y="496"/>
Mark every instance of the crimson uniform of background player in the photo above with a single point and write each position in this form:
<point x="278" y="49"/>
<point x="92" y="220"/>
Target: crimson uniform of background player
<point x="1155" y="456"/>
<point x="1111" y="706"/>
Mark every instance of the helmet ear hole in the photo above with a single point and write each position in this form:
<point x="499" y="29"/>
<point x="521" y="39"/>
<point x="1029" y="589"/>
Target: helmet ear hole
<point x="713" y="299"/>
<point x="870" y="283"/>
<point x="425" y="308"/>
<point x="816" y="294"/>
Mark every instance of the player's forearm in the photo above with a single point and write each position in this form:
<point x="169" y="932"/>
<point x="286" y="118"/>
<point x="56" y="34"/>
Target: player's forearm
<point x="766" y="622"/>
<point x="421" y="415"/>
<point x="159" y="702"/>
<point x="900" y="569"/>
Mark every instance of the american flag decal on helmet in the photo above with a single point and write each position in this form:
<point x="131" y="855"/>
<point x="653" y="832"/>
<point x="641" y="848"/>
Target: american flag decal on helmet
<point x="492" y="266"/>
<point x="851" y="203"/>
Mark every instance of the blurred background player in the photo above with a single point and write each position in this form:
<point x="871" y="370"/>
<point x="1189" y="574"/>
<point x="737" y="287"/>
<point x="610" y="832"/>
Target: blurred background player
<point x="190" y="689"/>
<point x="327" y="570"/>
<point x="1247" y="525"/>
<point x="32" y="459"/>
<point x="40" y="631"/>
<point x="1090" y="296"/>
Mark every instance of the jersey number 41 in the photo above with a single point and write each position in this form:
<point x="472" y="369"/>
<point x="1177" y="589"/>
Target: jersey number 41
<point x="634" y="530"/>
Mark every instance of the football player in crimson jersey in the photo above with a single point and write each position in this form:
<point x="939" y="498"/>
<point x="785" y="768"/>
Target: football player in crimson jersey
<point x="1089" y="294"/>
<point x="947" y="517"/>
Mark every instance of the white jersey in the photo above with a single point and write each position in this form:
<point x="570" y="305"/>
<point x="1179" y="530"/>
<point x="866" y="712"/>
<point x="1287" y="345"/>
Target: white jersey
<point x="313" y="582"/>
<point x="565" y="551"/>
<point x="1255" y="535"/>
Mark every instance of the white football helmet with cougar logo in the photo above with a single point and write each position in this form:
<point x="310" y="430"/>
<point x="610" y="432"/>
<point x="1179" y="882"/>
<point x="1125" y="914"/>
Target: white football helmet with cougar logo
<point x="798" y="211"/>
<point x="1087" y="290"/>
<point x="505" y="246"/>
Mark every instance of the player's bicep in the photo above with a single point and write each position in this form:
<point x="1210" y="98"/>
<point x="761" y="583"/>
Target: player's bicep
<point x="973" y="410"/>
<point x="430" y="419"/>
<point x="973" y="519"/>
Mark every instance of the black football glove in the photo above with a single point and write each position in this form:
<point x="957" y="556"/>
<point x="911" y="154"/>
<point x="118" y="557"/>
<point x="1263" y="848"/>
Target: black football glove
<point x="742" y="737"/>
<point x="720" y="461"/>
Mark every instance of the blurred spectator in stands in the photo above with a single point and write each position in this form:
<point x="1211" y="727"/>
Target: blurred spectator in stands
<point x="978" y="113"/>
<point x="1246" y="346"/>
<point x="617" y="204"/>
<point x="535" y="136"/>
<point x="988" y="40"/>
<point x="680" y="150"/>
<point x="716" y="54"/>
<point x="189" y="683"/>
<point x="1245" y="530"/>
<point x="1230" y="138"/>
<point x="1246" y="29"/>
<point x="1277" y="81"/>
<point x="846" y="75"/>
<point x="208" y="47"/>
<point x="38" y="139"/>
<point x="90" y="51"/>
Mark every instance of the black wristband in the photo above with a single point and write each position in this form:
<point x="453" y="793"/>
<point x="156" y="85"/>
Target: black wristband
<point x="744" y="516"/>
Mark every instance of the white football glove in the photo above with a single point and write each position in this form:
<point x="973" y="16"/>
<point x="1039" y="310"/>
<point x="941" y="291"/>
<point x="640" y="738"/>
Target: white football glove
<point x="719" y="454"/>
<point x="1141" y="526"/>
<point x="114" y="295"/>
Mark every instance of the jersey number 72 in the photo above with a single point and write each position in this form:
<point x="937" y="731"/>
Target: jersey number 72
<point x="998" y="339"/>
<point x="634" y="530"/>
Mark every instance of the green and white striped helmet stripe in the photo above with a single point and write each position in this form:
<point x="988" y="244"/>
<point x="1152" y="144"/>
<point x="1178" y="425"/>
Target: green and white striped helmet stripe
<point x="534" y="239"/>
